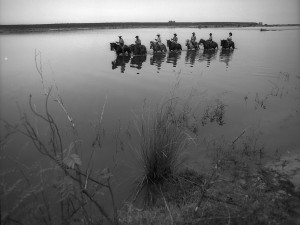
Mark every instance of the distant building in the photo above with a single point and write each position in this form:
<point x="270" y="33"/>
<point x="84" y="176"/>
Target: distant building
<point x="171" y="22"/>
<point x="260" y="23"/>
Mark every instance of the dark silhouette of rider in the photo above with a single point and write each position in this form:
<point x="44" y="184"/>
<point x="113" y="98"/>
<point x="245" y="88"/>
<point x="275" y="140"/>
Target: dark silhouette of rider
<point x="193" y="39"/>
<point x="210" y="39"/>
<point x="138" y="44"/>
<point x="229" y="39"/>
<point x="121" y="43"/>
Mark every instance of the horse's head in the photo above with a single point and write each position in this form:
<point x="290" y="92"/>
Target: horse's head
<point x="168" y="43"/>
<point x="223" y="42"/>
<point x="112" y="46"/>
<point x="202" y="41"/>
<point x="187" y="42"/>
<point x="151" y="44"/>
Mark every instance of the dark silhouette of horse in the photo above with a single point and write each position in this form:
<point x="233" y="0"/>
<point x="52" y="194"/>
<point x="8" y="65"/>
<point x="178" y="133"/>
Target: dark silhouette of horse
<point x="173" y="57"/>
<point x="138" y="50"/>
<point x="137" y="61"/>
<point x="119" y="50"/>
<point x="157" y="47"/>
<point x="190" y="45"/>
<point x="173" y="46"/>
<point x="121" y="61"/>
<point x="227" y="44"/>
<point x="208" y="44"/>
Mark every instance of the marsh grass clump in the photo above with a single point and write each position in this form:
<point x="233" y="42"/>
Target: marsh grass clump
<point x="164" y="137"/>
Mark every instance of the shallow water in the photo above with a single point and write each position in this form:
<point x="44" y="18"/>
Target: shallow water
<point x="259" y="82"/>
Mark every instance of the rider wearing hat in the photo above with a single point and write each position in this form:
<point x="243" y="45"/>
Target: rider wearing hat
<point x="210" y="37"/>
<point x="158" y="40"/>
<point x="138" y="41"/>
<point x="174" y="39"/>
<point x="229" y="39"/>
<point x="121" y="41"/>
<point x="193" y="39"/>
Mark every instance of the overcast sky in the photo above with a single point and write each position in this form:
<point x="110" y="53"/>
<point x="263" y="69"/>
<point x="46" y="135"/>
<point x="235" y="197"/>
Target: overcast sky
<point x="81" y="11"/>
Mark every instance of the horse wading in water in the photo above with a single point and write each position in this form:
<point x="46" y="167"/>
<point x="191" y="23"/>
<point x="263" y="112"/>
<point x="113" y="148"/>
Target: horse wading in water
<point x="227" y="44"/>
<point x="157" y="47"/>
<point x="190" y="45"/>
<point x="173" y="46"/>
<point x="140" y="50"/>
<point x="119" y="50"/>
<point x="208" y="44"/>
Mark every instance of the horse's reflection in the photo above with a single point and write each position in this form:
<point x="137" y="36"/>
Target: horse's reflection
<point x="226" y="56"/>
<point x="120" y="61"/>
<point x="157" y="59"/>
<point x="208" y="56"/>
<point x="191" y="57"/>
<point x="173" y="57"/>
<point x="137" y="61"/>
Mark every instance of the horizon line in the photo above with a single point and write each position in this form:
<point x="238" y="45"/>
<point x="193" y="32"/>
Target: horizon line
<point x="168" y="22"/>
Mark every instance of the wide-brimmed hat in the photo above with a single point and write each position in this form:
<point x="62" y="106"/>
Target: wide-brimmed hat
<point x="120" y="36"/>
<point x="210" y="33"/>
<point x="175" y="34"/>
<point x="158" y="35"/>
<point x="136" y="36"/>
<point x="193" y="33"/>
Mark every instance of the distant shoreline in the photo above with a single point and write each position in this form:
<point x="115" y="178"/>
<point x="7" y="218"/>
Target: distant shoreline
<point x="24" y="28"/>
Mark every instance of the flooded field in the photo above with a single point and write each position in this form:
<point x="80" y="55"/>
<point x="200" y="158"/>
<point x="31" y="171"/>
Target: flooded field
<point x="258" y="84"/>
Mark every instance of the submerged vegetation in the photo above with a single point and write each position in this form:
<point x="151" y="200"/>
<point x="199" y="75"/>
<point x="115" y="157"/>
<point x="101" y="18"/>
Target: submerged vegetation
<point x="62" y="188"/>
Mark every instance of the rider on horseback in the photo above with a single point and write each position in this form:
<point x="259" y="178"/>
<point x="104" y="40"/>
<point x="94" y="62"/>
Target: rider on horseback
<point x="210" y="39"/>
<point x="121" y="43"/>
<point x="174" y="39"/>
<point x="193" y="40"/>
<point x="138" y="44"/>
<point x="158" y="40"/>
<point x="229" y="39"/>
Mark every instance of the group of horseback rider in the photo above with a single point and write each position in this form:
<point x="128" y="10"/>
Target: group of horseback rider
<point x="174" y="40"/>
<point x="209" y="40"/>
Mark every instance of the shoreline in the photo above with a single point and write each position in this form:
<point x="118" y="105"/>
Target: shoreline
<point x="27" y="28"/>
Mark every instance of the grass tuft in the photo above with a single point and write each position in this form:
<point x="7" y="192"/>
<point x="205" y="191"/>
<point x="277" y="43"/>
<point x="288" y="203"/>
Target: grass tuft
<point x="163" y="139"/>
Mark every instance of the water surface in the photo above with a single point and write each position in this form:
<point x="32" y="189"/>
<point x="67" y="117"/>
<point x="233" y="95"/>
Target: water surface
<point x="259" y="82"/>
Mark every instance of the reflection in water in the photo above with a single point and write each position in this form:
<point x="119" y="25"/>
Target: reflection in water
<point x="157" y="59"/>
<point x="191" y="57"/>
<point x="173" y="57"/>
<point x="137" y="61"/>
<point x="208" y="55"/>
<point x="120" y="61"/>
<point x="226" y="56"/>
